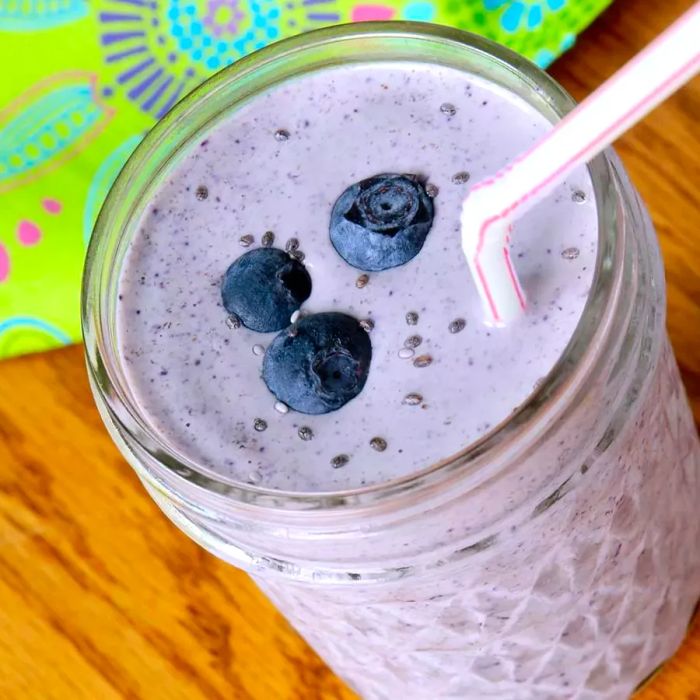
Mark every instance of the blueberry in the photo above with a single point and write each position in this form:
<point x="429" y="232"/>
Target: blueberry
<point x="318" y="364"/>
<point x="264" y="287"/>
<point x="381" y="222"/>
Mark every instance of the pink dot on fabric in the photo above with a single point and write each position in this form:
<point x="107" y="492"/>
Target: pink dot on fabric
<point x="368" y="13"/>
<point x="53" y="206"/>
<point x="4" y="263"/>
<point x="28" y="233"/>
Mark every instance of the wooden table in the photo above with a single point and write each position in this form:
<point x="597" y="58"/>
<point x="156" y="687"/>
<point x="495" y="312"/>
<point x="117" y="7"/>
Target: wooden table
<point x="102" y="599"/>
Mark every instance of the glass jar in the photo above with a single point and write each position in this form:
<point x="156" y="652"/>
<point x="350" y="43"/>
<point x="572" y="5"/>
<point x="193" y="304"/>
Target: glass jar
<point x="557" y="557"/>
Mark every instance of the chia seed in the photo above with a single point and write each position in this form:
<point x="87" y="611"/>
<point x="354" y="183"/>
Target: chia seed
<point x="457" y="325"/>
<point x="413" y="341"/>
<point x="578" y="196"/>
<point x="281" y="135"/>
<point x="432" y="190"/>
<point x="449" y="109"/>
<point x="406" y="353"/>
<point x="233" y="322"/>
<point x="378" y="444"/>
<point x="367" y="324"/>
<point x="422" y="361"/>
<point x="201" y="193"/>
<point x="570" y="253"/>
<point x="259" y="425"/>
<point x="362" y="281"/>
<point x="339" y="461"/>
<point x="247" y="240"/>
<point x="412" y="318"/>
<point x="268" y="239"/>
<point x="305" y="433"/>
<point x="292" y="245"/>
<point x="412" y="399"/>
<point x="460" y="178"/>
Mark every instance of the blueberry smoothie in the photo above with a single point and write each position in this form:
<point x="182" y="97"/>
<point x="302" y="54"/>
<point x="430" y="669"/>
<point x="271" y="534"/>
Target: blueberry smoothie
<point x="269" y="195"/>
<point x="294" y="314"/>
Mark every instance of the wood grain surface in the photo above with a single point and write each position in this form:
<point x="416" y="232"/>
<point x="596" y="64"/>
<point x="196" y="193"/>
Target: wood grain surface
<point x="102" y="599"/>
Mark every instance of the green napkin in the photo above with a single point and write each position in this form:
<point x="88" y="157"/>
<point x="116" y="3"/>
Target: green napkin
<point x="84" y="80"/>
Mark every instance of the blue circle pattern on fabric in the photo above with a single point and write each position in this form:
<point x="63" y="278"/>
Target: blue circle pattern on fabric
<point x="161" y="49"/>
<point x="521" y="14"/>
<point x="419" y="11"/>
<point x="40" y="14"/>
<point x="204" y="39"/>
<point x="544" y="57"/>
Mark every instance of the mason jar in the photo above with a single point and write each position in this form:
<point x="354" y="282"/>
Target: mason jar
<point x="556" y="557"/>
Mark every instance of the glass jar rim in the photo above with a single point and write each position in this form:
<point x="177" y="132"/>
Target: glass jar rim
<point x="557" y="389"/>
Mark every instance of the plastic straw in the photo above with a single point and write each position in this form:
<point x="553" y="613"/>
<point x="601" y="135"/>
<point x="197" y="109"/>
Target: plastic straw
<point x="492" y="205"/>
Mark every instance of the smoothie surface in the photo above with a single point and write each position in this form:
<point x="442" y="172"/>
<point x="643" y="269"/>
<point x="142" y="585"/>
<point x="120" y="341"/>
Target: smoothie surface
<point x="439" y="378"/>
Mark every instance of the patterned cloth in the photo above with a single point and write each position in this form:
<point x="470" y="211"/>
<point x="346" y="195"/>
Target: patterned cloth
<point x="84" y="80"/>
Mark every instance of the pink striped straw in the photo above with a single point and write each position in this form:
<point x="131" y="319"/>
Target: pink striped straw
<point x="492" y="205"/>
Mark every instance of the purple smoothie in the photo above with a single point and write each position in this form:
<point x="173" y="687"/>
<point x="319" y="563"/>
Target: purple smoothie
<point x="439" y="378"/>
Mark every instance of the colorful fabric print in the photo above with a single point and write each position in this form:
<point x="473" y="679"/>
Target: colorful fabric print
<point x="93" y="76"/>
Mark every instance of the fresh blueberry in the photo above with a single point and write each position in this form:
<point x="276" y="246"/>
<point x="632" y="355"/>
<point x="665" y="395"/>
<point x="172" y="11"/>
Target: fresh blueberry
<point x="381" y="222"/>
<point x="264" y="287"/>
<point x="318" y="364"/>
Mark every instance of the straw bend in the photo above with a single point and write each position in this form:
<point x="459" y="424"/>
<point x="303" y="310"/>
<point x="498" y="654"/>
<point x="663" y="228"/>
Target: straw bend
<point x="492" y="205"/>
